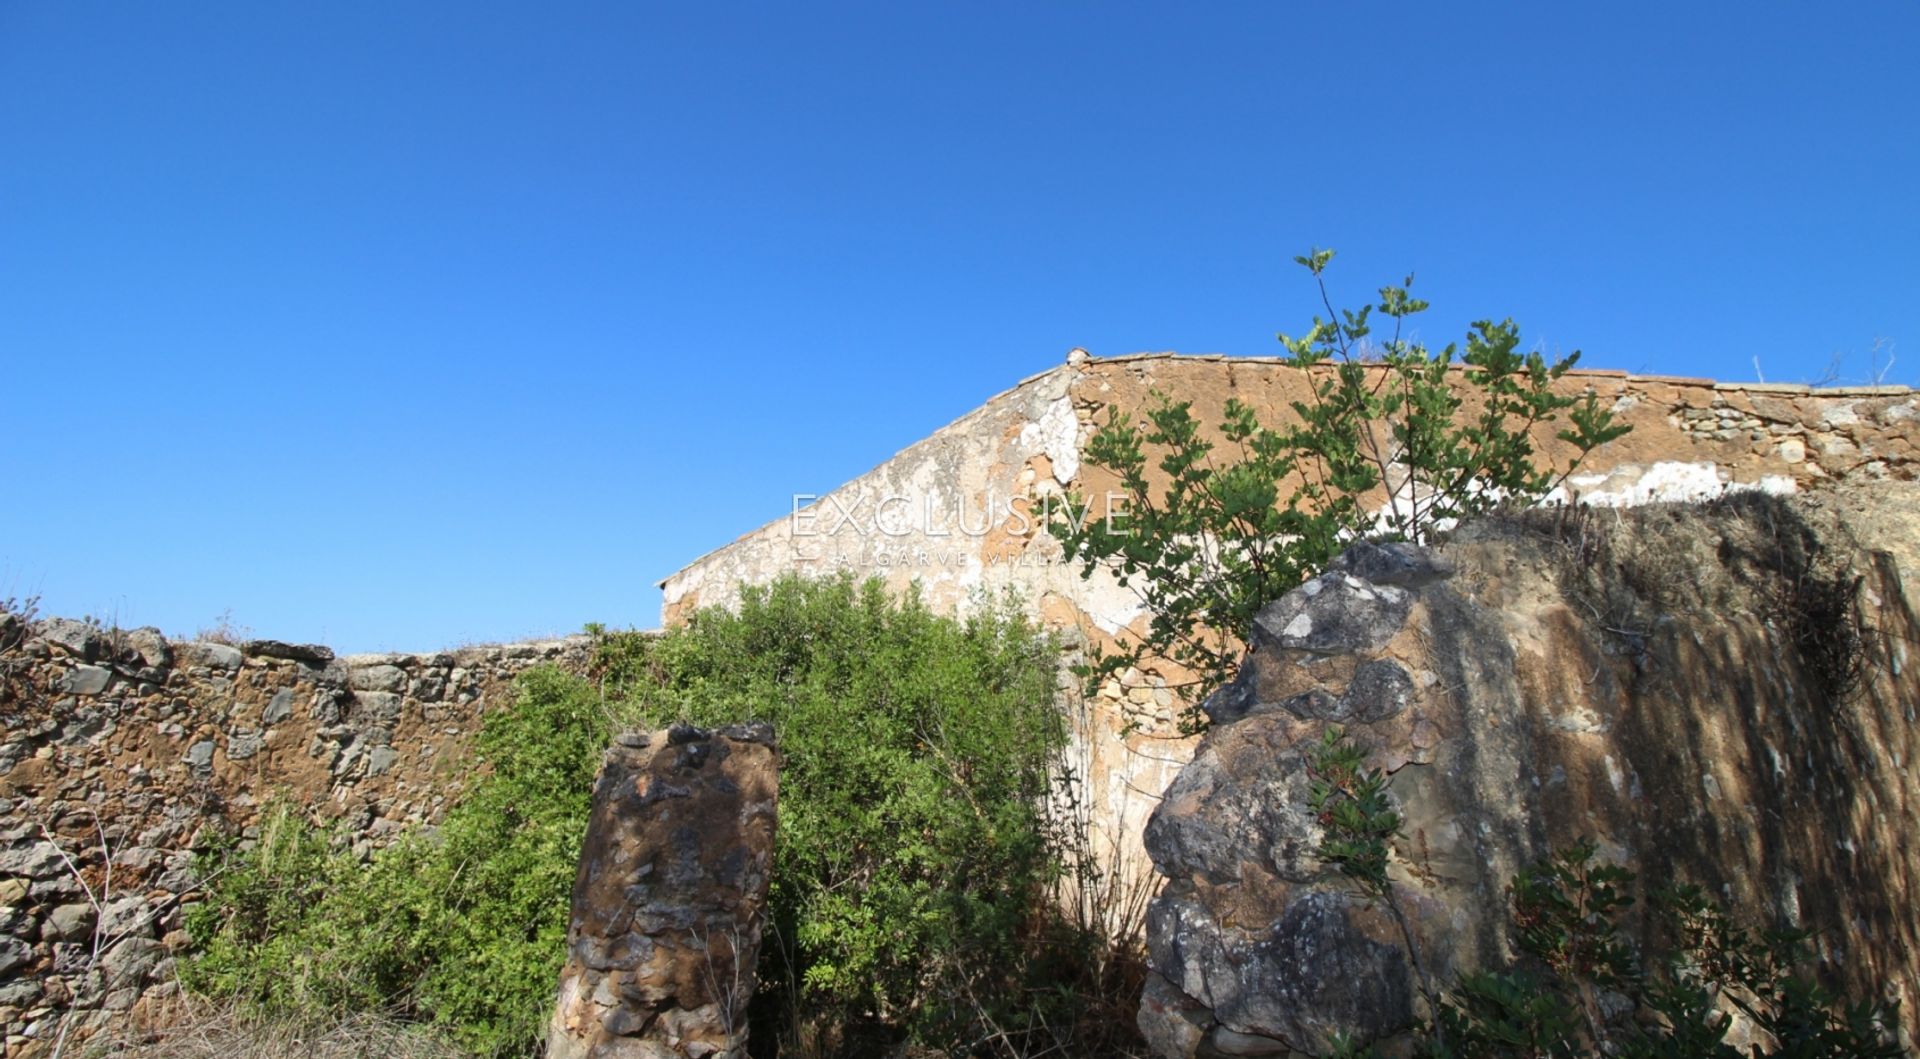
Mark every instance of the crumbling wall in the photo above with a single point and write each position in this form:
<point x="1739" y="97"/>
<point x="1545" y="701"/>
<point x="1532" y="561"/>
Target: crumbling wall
<point x="965" y="511"/>
<point x="1719" y="694"/>
<point x="123" y="750"/>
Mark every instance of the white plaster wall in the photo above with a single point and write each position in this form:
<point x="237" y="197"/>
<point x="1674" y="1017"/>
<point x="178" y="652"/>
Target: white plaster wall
<point x="1028" y="443"/>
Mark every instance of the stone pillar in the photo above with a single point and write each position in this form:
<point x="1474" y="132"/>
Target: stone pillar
<point x="665" y="927"/>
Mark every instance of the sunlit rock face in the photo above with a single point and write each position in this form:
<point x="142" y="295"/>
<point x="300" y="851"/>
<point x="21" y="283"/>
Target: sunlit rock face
<point x="1670" y="682"/>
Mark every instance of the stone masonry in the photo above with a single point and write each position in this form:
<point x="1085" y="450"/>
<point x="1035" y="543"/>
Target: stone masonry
<point x="667" y="909"/>
<point x="123" y="751"/>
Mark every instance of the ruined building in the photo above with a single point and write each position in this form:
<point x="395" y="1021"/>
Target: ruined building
<point x="961" y="511"/>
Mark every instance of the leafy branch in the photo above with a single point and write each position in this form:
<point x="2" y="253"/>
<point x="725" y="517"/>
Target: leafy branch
<point x="1395" y="440"/>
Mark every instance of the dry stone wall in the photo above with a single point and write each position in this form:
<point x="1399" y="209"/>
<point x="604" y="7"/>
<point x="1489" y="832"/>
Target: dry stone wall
<point x="123" y="750"/>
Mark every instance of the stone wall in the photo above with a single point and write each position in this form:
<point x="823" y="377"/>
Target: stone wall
<point x="119" y="749"/>
<point x="663" y="937"/>
<point x="123" y="750"/>
<point x="1667" y="683"/>
<point x="960" y="512"/>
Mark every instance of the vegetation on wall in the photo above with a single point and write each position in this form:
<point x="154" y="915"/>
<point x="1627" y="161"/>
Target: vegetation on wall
<point x="914" y="869"/>
<point x="463" y="926"/>
<point x="1439" y="434"/>
<point x="1581" y="989"/>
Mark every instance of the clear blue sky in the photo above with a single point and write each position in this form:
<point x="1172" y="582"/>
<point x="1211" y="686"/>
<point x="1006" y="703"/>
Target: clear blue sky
<point x="402" y="325"/>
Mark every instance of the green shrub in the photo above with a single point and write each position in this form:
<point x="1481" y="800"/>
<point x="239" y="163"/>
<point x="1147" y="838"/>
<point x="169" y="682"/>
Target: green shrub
<point x="913" y="859"/>
<point x="462" y="926"/>
<point x="246" y="932"/>
<point x="913" y="851"/>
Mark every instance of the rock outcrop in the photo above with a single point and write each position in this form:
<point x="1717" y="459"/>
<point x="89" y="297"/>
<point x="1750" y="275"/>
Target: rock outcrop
<point x="1720" y="694"/>
<point x="666" y="919"/>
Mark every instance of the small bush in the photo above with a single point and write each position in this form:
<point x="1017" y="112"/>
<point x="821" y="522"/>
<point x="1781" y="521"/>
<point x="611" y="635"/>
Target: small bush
<point x="1582" y="991"/>
<point x="16" y="623"/>
<point x="914" y="857"/>
<point x="913" y="894"/>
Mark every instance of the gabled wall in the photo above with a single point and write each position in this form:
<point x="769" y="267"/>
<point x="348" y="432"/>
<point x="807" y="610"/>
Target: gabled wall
<point x="965" y="503"/>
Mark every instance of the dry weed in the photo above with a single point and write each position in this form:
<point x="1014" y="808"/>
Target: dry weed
<point x="203" y="1031"/>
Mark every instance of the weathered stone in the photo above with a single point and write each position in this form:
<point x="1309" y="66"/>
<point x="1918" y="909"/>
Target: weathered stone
<point x="128" y="917"/>
<point x="1535" y="698"/>
<point x="244" y="745"/>
<point x="72" y="958"/>
<point x="377" y="707"/>
<point x="279" y="708"/>
<point x="373" y="658"/>
<point x="1313" y="704"/>
<point x="131" y="961"/>
<point x="1380" y="690"/>
<point x="1225" y="1042"/>
<point x="380" y="760"/>
<point x="1334" y="613"/>
<point x="1243" y="799"/>
<point x="121" y="999"/>
<point x="1233" y="700"/>
<point x="80" y="639"/>
<point x="310" y="653"/>
<point x="179" y="876"/>
<point x="1173" y="1023"/>
<point x="14" y="954"/>
<point x="377" y="678"/>
<point x="208" y="653"/>
<point x="68" y="923"/>
<point x="151" y="648"/>
<point x="1394" y="563"/>
<point x="35" y="860"/>
<point x="666" y="912"/>
<point x="332" y="704"/>
<point x="200" y="755"/>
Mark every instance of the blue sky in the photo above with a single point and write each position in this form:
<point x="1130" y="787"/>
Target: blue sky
<point x="405" y="325"/>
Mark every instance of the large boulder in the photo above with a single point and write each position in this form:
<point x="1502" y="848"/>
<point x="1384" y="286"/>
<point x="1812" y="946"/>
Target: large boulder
<point x="667" y="907"/>
<point x="1655" y="681"/>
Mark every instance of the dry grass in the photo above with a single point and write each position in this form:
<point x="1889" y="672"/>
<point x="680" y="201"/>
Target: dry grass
<point x="202" y="1031"/>
<point x="223" y="630"/>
